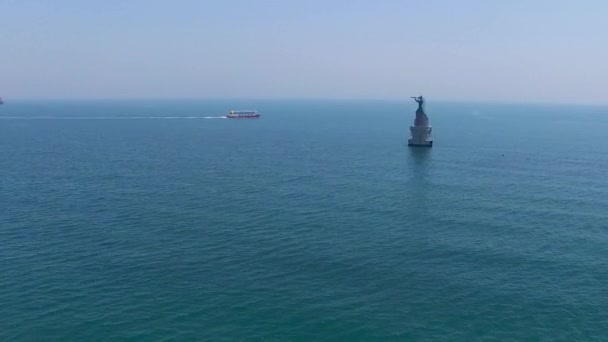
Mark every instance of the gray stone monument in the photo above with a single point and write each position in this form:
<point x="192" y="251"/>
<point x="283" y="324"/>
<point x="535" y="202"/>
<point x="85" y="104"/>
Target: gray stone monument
<point x="421" y="131"/>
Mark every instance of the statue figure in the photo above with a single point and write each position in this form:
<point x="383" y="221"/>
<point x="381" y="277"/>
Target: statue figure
<point x="421" y="118"/>
<point x="420" y="101"/>
<point x="421" y="131"/>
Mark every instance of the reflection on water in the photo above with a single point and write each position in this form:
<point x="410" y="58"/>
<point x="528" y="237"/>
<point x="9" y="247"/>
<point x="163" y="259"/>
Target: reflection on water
<point x="420" y="155"/>
<point x="419" y="162"/>
<point x="418" y="168"/>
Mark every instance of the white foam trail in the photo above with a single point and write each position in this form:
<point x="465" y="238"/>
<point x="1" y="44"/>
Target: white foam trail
<point x="107" y="117"/>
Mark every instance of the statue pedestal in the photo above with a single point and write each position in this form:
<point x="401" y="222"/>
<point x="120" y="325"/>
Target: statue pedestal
<point x="421" y="136"/>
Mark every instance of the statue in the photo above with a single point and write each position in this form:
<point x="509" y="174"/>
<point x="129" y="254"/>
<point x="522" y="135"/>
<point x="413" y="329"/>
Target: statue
<point x="421" y="131"/>
<point x="421" y="118"/>
<point x="420" y="101"/>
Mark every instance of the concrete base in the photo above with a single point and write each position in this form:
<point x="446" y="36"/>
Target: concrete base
<point x="421" y="136"/>
<point x="424" y="144"/>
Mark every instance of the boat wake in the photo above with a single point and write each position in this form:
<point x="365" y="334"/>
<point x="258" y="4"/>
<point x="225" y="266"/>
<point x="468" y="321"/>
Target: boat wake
<point x="107" y="117"/>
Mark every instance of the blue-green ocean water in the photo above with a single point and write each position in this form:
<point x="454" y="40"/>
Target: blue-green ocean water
<point x="127" y="220"/>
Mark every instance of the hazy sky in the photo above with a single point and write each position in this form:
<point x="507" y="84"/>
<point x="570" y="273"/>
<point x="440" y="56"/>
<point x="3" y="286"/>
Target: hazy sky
<point x="518" y="50"/>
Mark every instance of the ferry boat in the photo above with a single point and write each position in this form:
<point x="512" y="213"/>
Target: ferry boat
<point x="243" y="114"/>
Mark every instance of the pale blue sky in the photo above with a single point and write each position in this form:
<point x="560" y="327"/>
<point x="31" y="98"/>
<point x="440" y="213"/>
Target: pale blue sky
<point x="522" y="51"/>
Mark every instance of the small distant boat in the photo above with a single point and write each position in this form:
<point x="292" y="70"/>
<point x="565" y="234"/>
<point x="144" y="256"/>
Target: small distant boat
<point x="243" y="114"/>
<point x="1" y="102"/>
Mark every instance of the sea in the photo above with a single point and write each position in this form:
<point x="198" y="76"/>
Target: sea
<point x="159" y="220"/>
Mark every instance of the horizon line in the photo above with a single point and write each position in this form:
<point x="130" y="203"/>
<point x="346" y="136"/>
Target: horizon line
<point x="405" y="99"/>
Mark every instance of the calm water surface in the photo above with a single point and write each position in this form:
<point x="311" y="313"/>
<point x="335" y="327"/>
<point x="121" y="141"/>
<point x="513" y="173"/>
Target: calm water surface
<point x="126" y="220"/>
